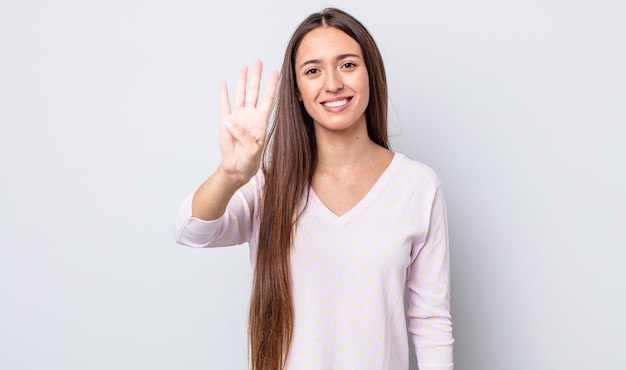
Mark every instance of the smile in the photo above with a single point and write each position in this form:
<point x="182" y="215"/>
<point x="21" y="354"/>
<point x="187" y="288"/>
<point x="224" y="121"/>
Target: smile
<point x="335" y="104"/>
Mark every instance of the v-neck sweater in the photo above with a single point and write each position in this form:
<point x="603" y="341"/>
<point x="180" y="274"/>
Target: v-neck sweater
<point x="350" y="272"/>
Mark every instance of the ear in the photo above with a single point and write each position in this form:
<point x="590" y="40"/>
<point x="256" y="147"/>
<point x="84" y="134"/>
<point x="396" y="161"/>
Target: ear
<point x="299" y="95"/>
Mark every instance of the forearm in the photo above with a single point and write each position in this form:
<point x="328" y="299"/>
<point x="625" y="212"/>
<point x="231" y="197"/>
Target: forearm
<point x="211" y="198"/>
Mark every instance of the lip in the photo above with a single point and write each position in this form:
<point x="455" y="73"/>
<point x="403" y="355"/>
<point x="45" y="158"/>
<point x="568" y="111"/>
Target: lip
<point x="336" y="109"/>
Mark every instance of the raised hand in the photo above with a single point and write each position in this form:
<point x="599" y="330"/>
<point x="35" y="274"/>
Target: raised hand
<point x="243" y="128"/>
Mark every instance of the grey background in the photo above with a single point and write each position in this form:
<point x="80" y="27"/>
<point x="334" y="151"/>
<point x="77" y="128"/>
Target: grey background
<point x="108" y="118"/>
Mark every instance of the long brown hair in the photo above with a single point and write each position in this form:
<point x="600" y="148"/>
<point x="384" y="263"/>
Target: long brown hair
<point x="289" y="161"/>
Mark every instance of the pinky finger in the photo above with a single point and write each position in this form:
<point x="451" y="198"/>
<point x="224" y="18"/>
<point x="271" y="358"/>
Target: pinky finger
<point x="224" y="101"/>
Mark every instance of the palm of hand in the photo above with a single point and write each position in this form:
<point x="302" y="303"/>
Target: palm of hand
<point x="243" y="129"/>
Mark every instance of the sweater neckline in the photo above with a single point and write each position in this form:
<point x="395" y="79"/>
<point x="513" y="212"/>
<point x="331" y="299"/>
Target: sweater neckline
<point x="375" y="190"/>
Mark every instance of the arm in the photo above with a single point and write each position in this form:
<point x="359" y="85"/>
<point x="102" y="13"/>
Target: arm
<point x="203" y="218"/>
<point x="242" y="138"/>
<point x="430" y="322"/>
<point x="211" y="198"/>
<point x="233" y="226"/>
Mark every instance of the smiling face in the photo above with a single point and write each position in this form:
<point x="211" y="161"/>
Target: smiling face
<point x="332" y="80"/>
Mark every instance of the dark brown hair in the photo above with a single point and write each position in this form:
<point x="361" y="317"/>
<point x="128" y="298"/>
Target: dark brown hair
<point x="289" y="161"/>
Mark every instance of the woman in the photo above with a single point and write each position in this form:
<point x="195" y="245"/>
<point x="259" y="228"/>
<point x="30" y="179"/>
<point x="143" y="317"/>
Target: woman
<point x="338" y="225"/>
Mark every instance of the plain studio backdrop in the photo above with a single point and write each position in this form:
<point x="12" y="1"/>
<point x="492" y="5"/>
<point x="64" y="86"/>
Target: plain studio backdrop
<point x="109" y="118"/>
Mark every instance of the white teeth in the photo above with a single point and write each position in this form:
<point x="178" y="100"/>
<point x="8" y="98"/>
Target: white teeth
<point x="335" y="104"/>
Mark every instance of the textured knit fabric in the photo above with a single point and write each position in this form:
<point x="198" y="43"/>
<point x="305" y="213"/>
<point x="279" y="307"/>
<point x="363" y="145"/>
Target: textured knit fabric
<point x="350" y="273"/>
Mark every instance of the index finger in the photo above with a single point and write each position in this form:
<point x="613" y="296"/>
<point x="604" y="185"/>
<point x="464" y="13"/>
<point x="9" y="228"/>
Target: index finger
<point x="270" y="93"/>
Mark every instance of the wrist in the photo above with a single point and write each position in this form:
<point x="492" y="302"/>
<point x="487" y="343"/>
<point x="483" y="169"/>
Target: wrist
<point x="231" y="179"/>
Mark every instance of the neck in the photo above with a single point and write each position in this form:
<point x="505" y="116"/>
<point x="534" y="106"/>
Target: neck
<point x="341" y="151"/>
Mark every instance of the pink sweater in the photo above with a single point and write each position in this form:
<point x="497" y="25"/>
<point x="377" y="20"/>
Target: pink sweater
<point x="350" y="272"/>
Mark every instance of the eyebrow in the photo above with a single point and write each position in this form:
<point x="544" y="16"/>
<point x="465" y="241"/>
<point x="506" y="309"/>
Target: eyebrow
<point x="339" y="57"/>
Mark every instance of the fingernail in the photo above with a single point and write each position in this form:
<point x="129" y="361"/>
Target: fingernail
<point x="228" y="124"/>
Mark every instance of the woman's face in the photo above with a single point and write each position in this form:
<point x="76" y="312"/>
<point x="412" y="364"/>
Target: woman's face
<point x="332" y="80"/>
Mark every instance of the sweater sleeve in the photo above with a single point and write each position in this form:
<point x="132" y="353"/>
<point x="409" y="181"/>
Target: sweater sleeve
<point x="232" y="228"/>
<point x="428" y="315"/>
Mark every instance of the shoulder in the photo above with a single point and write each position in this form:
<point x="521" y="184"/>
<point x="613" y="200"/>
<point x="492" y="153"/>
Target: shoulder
<point x="415" y="171"/>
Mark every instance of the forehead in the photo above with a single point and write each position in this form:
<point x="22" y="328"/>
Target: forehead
<point x="326" y="42"/>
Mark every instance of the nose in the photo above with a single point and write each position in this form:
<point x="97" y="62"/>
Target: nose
<point x="333" y="82"/>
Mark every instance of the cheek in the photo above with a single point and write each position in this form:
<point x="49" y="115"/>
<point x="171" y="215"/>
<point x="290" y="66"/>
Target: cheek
<point x="304" y="95"/>
<point x="303" y="91"/>
<point x="298" y="90"/>
<point x="364" y="86"/>
<point x="366" y="82"/>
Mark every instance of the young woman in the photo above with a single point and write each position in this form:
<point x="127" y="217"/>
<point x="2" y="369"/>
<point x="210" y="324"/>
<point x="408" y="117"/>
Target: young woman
<point x="338" y="225"/>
